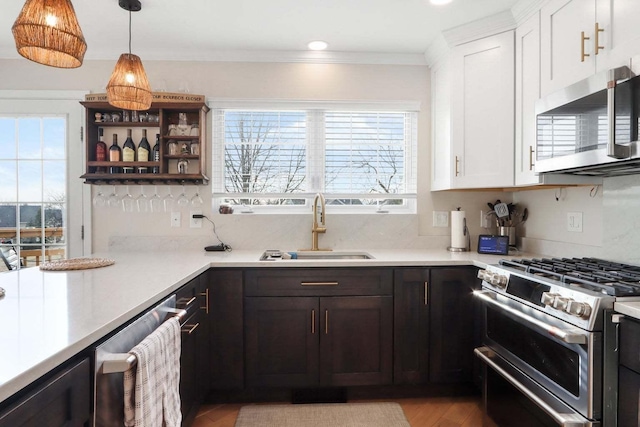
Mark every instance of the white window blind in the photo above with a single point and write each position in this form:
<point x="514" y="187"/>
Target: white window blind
<point x="276" y="158"/>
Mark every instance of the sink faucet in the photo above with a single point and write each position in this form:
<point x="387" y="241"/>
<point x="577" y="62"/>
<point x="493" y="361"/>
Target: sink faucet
<point x="319" y="208"/>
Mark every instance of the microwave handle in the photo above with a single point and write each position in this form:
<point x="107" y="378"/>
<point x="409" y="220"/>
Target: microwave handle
<point x="614" y="150"/>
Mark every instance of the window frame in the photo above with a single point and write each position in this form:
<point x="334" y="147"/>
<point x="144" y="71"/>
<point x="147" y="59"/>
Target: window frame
<point x="315" y="169"/>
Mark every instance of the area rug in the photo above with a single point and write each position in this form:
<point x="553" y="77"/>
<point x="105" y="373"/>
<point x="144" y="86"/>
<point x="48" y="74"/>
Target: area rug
<point x="316" y="415"/>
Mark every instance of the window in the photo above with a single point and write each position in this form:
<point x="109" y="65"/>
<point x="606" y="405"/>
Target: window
<point x="33" y="190"/>
<point x="277" y="159"/>
<point x="41" y="210"/>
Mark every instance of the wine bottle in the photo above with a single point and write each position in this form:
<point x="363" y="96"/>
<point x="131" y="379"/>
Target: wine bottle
<point x="101" y="151"/>
<point x="156" y="154"/>
<point x="115" y="154"/>
<point x="128" y="152"/>
<point x="143" y="152"/>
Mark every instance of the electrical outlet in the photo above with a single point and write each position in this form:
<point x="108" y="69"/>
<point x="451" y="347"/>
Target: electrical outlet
<point x="175" y="219"/>
<point x="574" y="222"/>
<point x="440" y="218"/>
<point x="484" y="221"/>
<point x="195" y="222"/>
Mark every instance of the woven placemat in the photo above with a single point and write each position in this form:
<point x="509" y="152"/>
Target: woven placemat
<point x="76" y="264"/>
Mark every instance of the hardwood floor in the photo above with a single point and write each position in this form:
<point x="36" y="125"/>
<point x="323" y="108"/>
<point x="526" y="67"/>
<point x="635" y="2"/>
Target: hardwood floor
<point x="421" y="412"/>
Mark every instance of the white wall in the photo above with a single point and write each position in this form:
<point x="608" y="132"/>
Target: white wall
<point x="271" y="81"/>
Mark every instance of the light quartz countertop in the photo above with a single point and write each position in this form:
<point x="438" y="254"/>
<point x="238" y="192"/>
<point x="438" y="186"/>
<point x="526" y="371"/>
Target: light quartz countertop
<point x="46" y="318"/>
<point x="629" y="308"/>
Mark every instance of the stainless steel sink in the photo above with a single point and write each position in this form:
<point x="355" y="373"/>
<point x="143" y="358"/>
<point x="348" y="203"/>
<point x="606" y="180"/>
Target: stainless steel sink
<point x="273" y="255"/>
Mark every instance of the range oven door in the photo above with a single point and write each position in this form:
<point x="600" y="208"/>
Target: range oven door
<point x="513" y="399"/>
<point x="563" y="359"/>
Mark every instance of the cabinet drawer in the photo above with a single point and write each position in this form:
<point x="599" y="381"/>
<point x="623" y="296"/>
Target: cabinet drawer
<point x="318" y="281"/>
<point x="63" y="400"/>
<point x="630" y="344"/>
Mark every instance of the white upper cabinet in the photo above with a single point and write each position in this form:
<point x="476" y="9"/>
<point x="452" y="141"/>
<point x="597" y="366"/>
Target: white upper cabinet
<point x="472" y="115"/>
<point x="568" y="37"/>
<point x="582" y="37"/>
<point x="621" y="36"/>
<point x="527" y="93"/>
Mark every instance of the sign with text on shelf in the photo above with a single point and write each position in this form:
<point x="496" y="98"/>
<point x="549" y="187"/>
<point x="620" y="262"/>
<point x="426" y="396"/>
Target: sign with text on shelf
<point x="165" y="97"/>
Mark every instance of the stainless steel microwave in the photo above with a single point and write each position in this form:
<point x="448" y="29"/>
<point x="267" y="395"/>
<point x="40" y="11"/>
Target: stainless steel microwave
<point x="591" y="127"/>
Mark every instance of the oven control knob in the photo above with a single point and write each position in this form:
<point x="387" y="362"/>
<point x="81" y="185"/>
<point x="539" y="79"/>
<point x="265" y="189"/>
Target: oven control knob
<point x="548" y="298"/>
<point x="578" y="309"/>
<point x="499" y="281"/>
<point x="484" y="275"/>
<point x="560" y="303"/>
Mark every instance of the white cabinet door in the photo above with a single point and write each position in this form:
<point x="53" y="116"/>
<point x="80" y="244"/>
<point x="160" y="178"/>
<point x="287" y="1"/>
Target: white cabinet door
<point x="561" y="24"/>
<point x="441" y="126"/>
<point x="482" y="123"/>
<point x="527" y="93"/>
<point x="621" y="37"/>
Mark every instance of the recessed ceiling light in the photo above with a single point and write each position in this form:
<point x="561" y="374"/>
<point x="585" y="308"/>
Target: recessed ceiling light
<point x="440" y="2"/>
<point x="318" y="45"/>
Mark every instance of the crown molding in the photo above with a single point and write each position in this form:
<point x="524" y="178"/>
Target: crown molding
<point x="304" y="57"/>
<point x="438" y="49"/>
<point x="524" y="9"/>
<point x="485" y="27"/>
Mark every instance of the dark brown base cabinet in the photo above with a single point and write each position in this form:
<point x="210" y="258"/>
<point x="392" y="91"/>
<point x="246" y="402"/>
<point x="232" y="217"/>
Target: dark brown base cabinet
<point x="194" y="360"/>
<point x="629" y="374"/>
<point x="318" y="340"/>
<point x="61" y="401"/>
<point x="435" y="327"/>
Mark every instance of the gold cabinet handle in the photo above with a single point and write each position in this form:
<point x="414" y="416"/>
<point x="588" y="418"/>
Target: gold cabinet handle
<point x="531" y="151"/>
<point x="205" y="294"/>
<point x="583" y="38"/>
<point x="188" y="329"/>
<point x="188" y="303"/>
<point x="326" y="322"/>
<point x="426" y="293"/>
<point x="596" y="35"/>
<point x="313" y="322"/>
<point x="318" y="283"/>
<point x="457" y="163"/>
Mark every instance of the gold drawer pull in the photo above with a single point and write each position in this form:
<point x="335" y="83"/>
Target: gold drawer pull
<point x="596" y="43"/>
<point x="583" y="38"/>
<point x="318" y="283"/>
<point x="188" y="329"/>
<point x="326" y="322"/>
<point x="188" y="303"/>
<point x="205" y="294"/>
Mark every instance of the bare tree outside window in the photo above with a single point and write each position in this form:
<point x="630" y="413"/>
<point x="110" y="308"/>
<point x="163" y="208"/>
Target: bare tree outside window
<point x="355" y="158"/>
<point x="265" y="152"/>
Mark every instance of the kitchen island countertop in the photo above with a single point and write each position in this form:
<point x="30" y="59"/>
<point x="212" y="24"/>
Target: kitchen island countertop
<point x="47" y="318"/>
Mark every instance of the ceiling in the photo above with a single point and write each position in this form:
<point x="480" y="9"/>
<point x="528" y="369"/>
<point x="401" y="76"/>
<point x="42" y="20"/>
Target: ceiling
<point x="210" y="29"/>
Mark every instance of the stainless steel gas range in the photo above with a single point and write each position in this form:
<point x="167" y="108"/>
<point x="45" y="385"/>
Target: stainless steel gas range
<point x="549" y="350"/>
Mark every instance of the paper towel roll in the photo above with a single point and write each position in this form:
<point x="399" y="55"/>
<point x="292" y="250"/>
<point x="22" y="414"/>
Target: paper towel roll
<point x="458" y="236"/>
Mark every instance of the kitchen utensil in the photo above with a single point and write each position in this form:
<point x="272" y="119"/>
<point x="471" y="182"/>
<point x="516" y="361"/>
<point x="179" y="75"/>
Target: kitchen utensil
<point x="502" y="210"/>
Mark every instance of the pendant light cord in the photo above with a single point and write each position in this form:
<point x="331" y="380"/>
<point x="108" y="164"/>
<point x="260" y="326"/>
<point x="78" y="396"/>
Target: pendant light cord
<point x="129" y="32"/>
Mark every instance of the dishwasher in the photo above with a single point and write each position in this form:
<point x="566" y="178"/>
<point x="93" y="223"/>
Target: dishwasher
<point x="112" y="360"/>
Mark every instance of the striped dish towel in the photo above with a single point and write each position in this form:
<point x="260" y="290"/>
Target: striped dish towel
<point x="152" y="386"/>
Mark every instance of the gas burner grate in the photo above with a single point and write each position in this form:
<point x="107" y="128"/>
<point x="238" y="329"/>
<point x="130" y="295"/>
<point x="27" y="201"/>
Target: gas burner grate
<point x="607" y="277"/>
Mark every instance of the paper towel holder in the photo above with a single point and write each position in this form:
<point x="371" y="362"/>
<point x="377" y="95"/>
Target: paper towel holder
<point x="465" y="231"/>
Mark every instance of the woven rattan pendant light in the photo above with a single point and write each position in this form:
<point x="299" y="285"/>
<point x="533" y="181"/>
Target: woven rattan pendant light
<point x="128" y="87"/>
<point x="47" y="32"/>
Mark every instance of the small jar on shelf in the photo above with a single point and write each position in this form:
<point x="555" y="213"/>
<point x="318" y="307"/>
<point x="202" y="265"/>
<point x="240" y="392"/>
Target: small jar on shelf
<point x="172" y="147"/>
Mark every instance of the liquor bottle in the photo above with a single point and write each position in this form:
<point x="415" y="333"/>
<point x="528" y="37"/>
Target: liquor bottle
<point x="128" y="153"/>
<point x="101" y="151"/>
<point x="143" y="152"/>
<point x="115" y="154"/>
<point x="156" y="154"/>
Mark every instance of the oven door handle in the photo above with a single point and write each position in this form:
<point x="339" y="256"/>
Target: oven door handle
<point x="568" y="336"/>
<point x="563" y="419"/>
